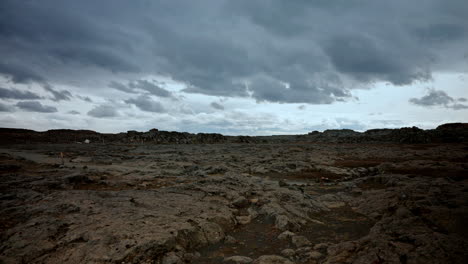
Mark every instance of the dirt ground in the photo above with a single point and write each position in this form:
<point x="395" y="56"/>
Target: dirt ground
<point x="234" y="203"/>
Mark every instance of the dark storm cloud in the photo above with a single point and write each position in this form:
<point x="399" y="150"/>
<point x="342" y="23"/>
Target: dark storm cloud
<point x="442" y="32"/>
<point x="18" y="73"/>
<point x="217" y="106"/>
<point x="17" y="94"/>
<point x="85" y="98"/>
<point x="362" y="58"/>
<point x="145" y="103"/>
<point x="458" y="106"/>
<point x="150" y="87"/>
<point x="95" y="57"/>
<point x="103" y="111"/>
<point x="136" y="87"/>
<point x="58" y="95"/>
<point x="320" y="49"/>
<point x="34" y="106"/>
<point x="121" y="87"/>
<point x="437" y="98"/>
<point x="267" y="89"/>
<point x="434" y="97"/>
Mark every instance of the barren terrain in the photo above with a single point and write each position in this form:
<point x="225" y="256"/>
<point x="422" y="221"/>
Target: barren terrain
<point x="268" y="202"/>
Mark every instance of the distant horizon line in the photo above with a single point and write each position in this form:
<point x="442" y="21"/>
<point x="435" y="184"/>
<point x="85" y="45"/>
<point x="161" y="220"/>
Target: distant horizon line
<point x="175" y="131"/>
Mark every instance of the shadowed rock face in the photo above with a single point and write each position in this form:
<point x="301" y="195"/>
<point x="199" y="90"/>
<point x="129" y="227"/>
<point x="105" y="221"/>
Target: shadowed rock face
<point x="290" y="202"/>
<point x="72" y="136"/>
<point x="456" y="132"/>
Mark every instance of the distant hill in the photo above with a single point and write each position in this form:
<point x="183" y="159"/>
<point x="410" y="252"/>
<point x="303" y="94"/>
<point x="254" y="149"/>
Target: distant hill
<point x="453" y="132"/>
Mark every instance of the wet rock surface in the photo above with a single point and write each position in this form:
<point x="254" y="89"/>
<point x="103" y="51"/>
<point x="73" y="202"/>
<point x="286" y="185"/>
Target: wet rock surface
<point x="234" y="203"/>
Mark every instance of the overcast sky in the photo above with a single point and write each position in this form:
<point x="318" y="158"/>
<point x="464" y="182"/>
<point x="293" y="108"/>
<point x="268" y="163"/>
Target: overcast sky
<point x="233" y="67"/>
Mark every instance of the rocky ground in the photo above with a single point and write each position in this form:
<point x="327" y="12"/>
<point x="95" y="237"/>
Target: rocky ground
<point x="258" y="203"/>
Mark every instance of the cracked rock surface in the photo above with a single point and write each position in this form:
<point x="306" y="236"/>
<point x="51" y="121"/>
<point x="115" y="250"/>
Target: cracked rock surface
<point x="234" y="203"/>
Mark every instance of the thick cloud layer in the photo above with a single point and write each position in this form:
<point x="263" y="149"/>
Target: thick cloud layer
<point x="58" y="95"/>
<point x="439" y="98"/>
<point x="145" y="103"/>
<point x="138" y="86"/>
<point x="272" y="50"/>
<point x="34" y="106"/>
<point x="17" y="94"/>
<point x="217" y="106"/>
<point x="103" y="111"/>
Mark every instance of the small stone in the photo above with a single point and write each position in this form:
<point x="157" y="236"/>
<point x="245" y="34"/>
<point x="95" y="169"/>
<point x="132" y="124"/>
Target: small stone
<point x="289" y="252"/>
<point x="282" y="222"/>
<point x="77" y="178"/>
<point x="272" y="259"/>
<point x="402" y="212"/>
<point x="252" y="213"/>
<point x="240" y="202"/>
<point x="230" y="240"/>
<point x="282" y="183"/>
<point x="237" y="260"/>
<point x="213" y="232"/>
<point x="286" y="235"/>
<point x="303" y="250"/>
<point x="315" y="255"/>
<point x="171" y="258"/>
<point x="321" y="246"/>
<point x="300" y="241"/>
<point x="243" y="220"/>
<point x="189" y="257"/>
<point x="334" y="204"/>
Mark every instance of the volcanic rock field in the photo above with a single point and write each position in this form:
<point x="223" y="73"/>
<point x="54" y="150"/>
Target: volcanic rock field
<point x="382" y="196"/>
